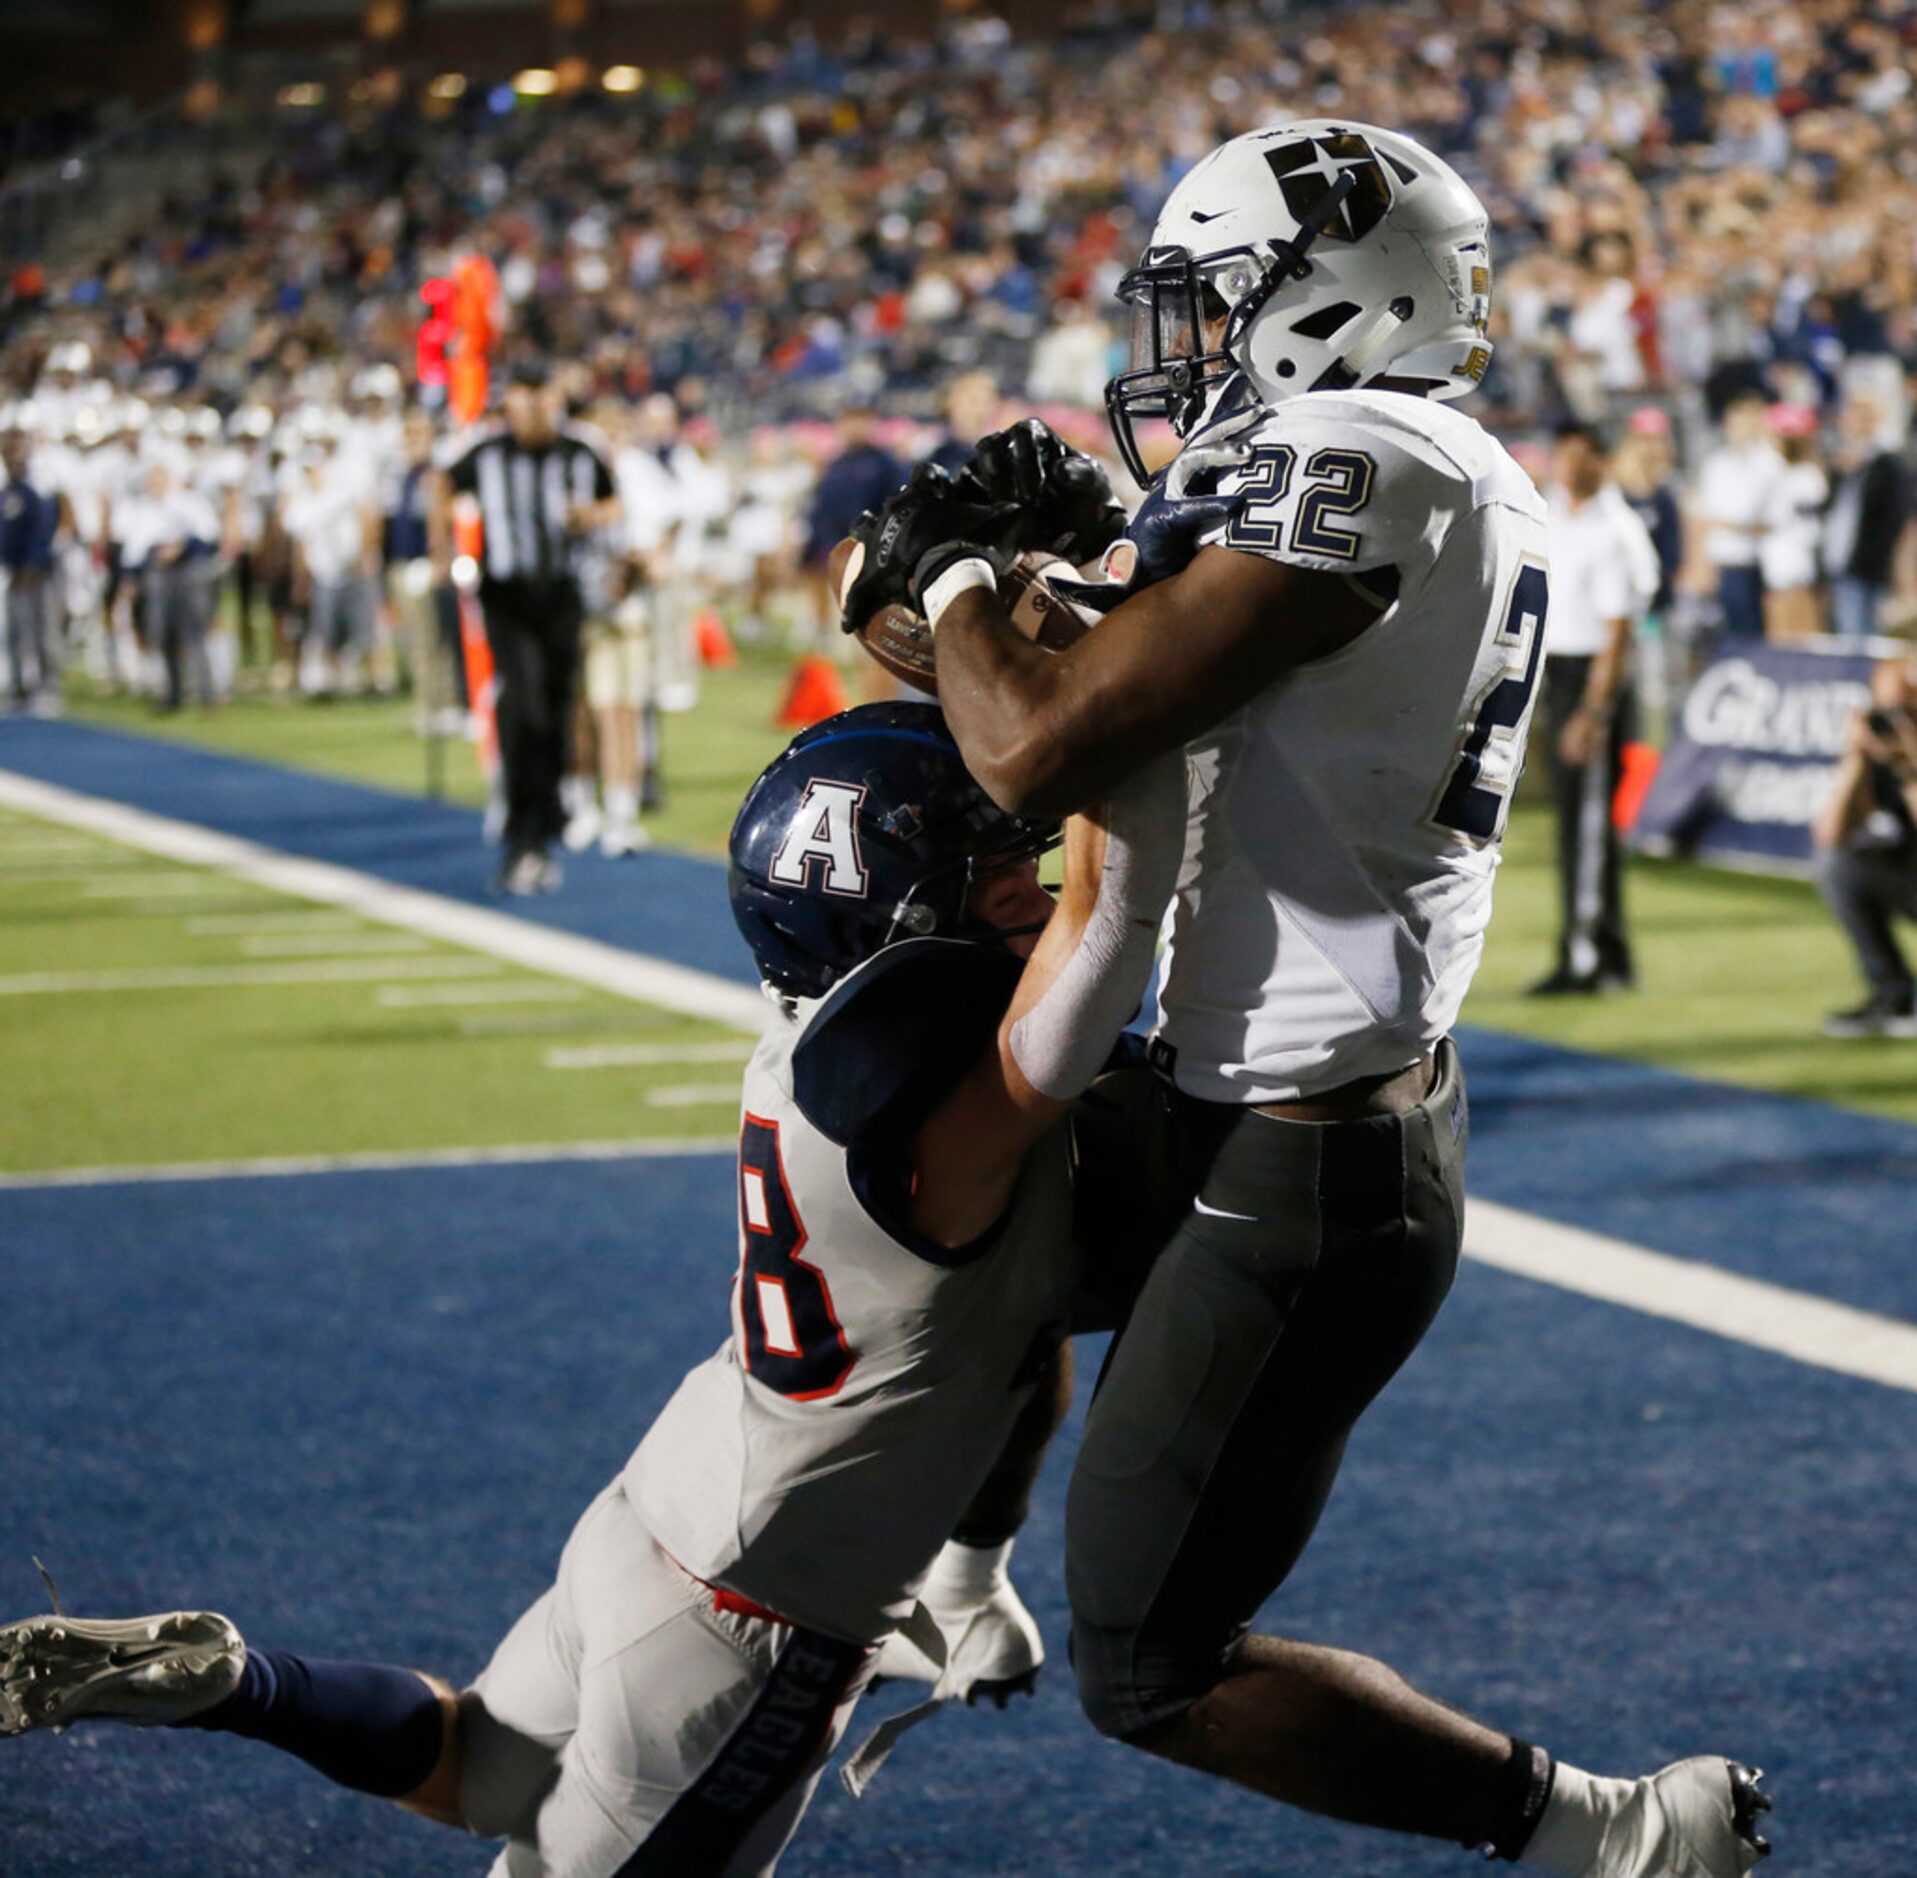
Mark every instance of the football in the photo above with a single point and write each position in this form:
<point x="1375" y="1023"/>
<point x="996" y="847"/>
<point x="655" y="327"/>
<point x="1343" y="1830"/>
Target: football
<point x="901" y="641"/>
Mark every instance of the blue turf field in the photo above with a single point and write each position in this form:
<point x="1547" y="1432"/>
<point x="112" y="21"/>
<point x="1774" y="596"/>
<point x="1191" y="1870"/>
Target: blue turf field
<point x="359" y="1411"/>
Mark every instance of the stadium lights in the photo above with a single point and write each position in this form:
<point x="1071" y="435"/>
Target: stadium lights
<point x="622" y="78"/>
<point x="302" y="97"/>
<point x="448" y="85"/>
<point x="536" y="81"/>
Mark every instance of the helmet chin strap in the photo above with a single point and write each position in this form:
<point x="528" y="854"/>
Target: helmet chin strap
<point x="1354" y="365"/>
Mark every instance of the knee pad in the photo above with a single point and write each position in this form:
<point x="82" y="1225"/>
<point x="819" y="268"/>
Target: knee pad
<point x="1126" y="1683"/>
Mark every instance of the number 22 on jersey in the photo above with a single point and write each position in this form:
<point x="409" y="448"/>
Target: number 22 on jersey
<point x="790" y="1335"/>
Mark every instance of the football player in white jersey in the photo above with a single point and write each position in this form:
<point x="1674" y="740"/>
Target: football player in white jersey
<point x="905" y="1283"/>
<point x="1349" y="663"/>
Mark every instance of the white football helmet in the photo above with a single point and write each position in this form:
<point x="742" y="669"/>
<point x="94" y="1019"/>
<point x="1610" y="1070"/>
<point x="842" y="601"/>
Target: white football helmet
<point x="1335" y="254"/>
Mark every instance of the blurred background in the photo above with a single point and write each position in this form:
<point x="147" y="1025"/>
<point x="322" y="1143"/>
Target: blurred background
<point x="267" y="271"/>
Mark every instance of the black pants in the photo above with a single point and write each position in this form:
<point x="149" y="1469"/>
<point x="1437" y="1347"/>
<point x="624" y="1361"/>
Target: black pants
<point x="1590" y="871"/>
<point x="1866" y="888"/>
<point x="533" y="628"/>
<point x="1300" y="1266"/>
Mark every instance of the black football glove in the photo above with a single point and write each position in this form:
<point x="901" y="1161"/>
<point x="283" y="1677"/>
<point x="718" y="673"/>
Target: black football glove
<point x="920" y="531"/>
<point x="1062" y="495"/>
<point x="1181" y="505"/>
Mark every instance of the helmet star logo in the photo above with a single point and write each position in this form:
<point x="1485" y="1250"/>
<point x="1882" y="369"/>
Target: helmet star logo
<point x="1307" y="168"/>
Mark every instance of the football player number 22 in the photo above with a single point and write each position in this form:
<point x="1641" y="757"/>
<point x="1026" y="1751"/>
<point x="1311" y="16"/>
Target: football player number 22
<point x="1470" y="805"/>
<point x="793" y="1343"/>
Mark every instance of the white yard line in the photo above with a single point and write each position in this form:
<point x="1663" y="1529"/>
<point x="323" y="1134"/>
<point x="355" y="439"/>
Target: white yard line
<point x="507" y="991"/>
<point x="520" y="941"/>
<point x="218" y="977"/>
<point x="1686" y="1291"/>
<point x="130" y="886"/>
<point x="288" y="945"/>
<point x="693" y="1095"/>
<point x="381" y="1161"/>
<point x="268" y="921"/>
<point x="43" y="848"/>
<point x="640" y="1055"/>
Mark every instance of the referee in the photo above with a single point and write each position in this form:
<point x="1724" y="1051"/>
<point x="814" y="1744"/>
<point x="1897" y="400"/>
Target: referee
<point x="542" y="487"/>
<point x="1604" y="572"/>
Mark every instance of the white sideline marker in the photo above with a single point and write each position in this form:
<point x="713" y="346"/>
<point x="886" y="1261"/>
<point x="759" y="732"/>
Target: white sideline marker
<point x="519" y="941"/>
<point x="1790" y="1323"/>
<point x="643" y="1055"/>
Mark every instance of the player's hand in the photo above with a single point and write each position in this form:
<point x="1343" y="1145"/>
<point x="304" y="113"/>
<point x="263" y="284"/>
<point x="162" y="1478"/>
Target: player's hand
<point x="1063" y="496"/>
<point x="934" y="520"/>
<point x="1182" y="506"/>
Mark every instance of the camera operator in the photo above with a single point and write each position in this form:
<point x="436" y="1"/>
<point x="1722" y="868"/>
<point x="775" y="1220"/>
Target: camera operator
<point x="1867" y="840"/>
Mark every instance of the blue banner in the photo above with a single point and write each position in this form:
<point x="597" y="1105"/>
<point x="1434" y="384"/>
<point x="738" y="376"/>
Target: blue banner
<point x="1752" y="754"/>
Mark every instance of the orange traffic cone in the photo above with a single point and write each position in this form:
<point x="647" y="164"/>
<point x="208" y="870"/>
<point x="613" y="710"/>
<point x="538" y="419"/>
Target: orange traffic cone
<point x="813" y="692"/>
<point x="1637" y="772"/>
<point x="714" y="643"/>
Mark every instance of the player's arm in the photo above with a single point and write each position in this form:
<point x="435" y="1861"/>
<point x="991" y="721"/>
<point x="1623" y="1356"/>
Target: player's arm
<point x="1046" y="732"/>
<point x="1078" y="990"/>
<point x="1584" y="729"/>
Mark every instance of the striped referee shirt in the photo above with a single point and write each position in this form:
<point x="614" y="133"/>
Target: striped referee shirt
<point x="525" y="496"/>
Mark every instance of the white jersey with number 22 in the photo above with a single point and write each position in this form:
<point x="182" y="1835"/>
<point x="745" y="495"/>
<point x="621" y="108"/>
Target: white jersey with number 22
<point x="1345" y="821"/>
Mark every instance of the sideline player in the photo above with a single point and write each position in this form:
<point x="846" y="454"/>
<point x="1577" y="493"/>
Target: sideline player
<point x="903" y="1291"/>
<point x="1349" y="664"/>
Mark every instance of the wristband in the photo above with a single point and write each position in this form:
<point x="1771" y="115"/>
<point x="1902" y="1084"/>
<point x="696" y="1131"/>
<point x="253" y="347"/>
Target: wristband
<point x="949" y="583"/>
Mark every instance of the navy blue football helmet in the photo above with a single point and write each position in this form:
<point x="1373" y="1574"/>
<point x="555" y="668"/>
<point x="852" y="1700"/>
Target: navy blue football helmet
<point x="868" y="828"/>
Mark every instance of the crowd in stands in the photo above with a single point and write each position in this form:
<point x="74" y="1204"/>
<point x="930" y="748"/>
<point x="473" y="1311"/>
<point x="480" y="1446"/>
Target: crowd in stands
<point x="1705" y="224"/>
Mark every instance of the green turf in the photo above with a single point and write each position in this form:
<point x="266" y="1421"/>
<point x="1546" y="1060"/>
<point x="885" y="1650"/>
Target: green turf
<point x="1736" y="971"/>
<point x="232" y="1070"/>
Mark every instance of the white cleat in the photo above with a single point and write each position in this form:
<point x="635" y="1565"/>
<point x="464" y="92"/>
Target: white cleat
<point x="1695" y="1819"/>
<point x="144" y="1670"/>
<point x="992" y="1642"/>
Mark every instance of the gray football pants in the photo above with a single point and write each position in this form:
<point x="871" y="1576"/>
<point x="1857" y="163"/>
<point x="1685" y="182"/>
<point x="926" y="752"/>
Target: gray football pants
<point x="1300" y="1266"/>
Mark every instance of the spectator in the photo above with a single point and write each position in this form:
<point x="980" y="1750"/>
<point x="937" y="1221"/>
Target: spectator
<point x="1869" y="504"/>
<point x="1736" y="495"/>
<point x="1787" y="554"/>
<point x="1603" y="575"/>
<point x="334" y="532"/>
<point x="169" y="537"/>
<point x="29" y="525"/>
<point x="1867" y="852"/>
<point x="860" y="477"/>
<point x="427" y="611"/>
<point x="971" y="412"/>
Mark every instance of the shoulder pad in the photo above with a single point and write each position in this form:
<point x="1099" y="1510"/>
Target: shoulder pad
<point x="892" y="1037"/>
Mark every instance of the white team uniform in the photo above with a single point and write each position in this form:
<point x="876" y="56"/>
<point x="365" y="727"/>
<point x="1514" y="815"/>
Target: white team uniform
<point x="811" y="1468"/>
<point x="1345" y="821"/>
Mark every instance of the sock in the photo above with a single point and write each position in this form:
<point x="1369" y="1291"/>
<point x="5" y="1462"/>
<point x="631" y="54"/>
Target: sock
<point x="367" y="1726"/>
<point x="622" y="807"/>
<point x="1530" y="1778"/>
<point x="575" y="795"/>
<point x="1569" y="1838"/>
<point x="965" y="1576"/>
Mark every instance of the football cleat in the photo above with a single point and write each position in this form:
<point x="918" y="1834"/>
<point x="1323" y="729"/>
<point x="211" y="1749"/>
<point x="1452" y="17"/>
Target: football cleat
<point x="1694" y="1819"/>
<point x="146" y="1670"/>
